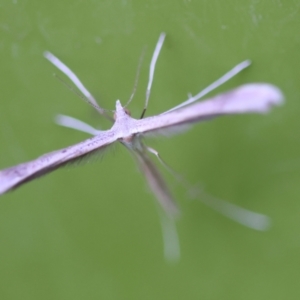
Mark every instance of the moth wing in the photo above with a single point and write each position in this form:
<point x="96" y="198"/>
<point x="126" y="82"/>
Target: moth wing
<point x="249" y="98"/>
<point x="13" y="177"/>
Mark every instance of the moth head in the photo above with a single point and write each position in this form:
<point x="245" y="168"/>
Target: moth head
<point x="120" y="110"/>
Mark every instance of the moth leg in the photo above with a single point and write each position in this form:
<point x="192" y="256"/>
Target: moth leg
<point x="153" y="151"/>
<point x="176" y="175"/>
<point x="234" y="212"/>
<point x="76" y="124"/>
<point x="227" y="76"/>
<point x="168" y="224"/>
<point x="238" y="214"/>
<point x="73" y="77"/>
<point x="136" y="78"/>
<point x="170" y="237"/>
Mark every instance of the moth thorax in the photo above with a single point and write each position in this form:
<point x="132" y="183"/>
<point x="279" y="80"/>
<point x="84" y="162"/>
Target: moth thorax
<point x="128" y="139"/>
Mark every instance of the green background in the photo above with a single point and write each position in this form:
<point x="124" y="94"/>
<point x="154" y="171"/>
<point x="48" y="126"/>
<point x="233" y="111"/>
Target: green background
<point x="92" y="231"/>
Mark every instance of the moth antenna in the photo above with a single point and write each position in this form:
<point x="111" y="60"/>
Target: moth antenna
<point x="137" y="76"/>
<point x="152" y="69"/>
<point x="227" y="76"/>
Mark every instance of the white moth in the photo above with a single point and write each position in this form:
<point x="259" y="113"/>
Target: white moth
<point x="248" y="98"/>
